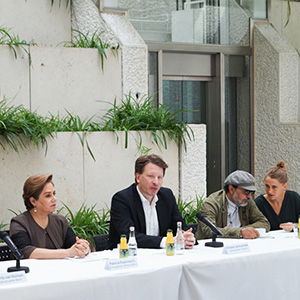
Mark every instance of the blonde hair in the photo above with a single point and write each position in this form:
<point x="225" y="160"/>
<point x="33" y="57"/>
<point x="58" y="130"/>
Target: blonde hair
<point x="278" y="172"/>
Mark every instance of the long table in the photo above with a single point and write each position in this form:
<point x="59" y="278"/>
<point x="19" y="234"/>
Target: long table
<point x="268" y="271"/>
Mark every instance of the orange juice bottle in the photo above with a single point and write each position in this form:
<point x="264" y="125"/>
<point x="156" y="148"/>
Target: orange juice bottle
<point x="123" y="247"/>
<point x="170" y="243"/>
<point x="299" y="227"/>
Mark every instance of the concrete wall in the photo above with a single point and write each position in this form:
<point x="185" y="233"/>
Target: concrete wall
<point x="78" y="178"/>
<point x="192" y="173"/>
<point x="134" y="54"/>
<point x="67" y="78"/>
<point x="277" y="14"/>
<point x="37" y="20"/>
<point x="277" y="129"/>
<point x="61" y="78"/>
<point x="117" y="29"/>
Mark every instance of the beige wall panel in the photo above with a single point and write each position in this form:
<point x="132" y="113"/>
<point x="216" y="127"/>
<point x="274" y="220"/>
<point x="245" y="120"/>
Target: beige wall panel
<point x="193" y="165"/>
<point x="114" y="166"/>
<point x="72" y="79"/>
<point x="276" y="128"/>
<point x="63" y="160"/>
<point x="36" y="20"/>
<point x="14" y="76"/>
<point x="278" y="16"/>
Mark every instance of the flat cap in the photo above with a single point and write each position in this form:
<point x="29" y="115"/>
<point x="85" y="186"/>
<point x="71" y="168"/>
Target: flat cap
<point x="241" y="178"/>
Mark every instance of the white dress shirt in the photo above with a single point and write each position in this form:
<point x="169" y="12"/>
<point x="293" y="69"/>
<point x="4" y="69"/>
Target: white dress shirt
<point x="152" y="226"/>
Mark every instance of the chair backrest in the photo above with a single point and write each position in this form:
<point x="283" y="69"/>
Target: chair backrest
<point x="194" y="227"/>
<point x="5" y="253"/>
<point x="101" y="242"/>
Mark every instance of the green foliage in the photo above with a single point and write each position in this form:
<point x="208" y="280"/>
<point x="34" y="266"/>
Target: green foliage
<point x="82" y="40"/>
<point x="72" y="123"/>
<point x="143" y="114"/>
<point x="19" y="126"/>
<point x="88" y="221"/>
<point x="3" y="225"/>
<point x="67" y="3"/>
<point x="13" y="41"/>
<point x="189" y="209"/>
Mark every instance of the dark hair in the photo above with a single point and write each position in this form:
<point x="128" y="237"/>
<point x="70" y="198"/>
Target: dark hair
<point x="226" y="187"/>
<point x="33" y="187"/>
<point x="278" y="172"/>
<point x="143" y="160"/>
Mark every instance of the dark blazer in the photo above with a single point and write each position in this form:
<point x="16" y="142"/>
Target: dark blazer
<point x="127" y="210"/>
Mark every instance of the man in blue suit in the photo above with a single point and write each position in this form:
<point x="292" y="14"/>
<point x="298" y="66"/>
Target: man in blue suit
<point x="147" y="206"/>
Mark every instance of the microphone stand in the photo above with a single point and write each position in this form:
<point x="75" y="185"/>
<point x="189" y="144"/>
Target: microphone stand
<point x="18" y="267"/>
<point x="214" y="243"/>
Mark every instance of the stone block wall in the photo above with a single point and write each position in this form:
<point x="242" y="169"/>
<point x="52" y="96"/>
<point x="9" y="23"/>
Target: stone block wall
<point x="277" y="129"/>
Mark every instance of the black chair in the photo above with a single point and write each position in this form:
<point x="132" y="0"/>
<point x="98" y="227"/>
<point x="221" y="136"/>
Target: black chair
<point x="5" y="253"/>
<point x="194" y="227"/>
<point x="101" y="242"/>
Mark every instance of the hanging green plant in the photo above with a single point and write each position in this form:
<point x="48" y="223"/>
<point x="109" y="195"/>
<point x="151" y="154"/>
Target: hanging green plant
<point x="14" y="41"/>
<point x="138" y="115"/>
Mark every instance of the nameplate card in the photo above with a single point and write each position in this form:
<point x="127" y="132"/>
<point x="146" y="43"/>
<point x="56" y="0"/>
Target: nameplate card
<point x="123" y="263"/>
<point x="236" y="248"/>
<point x="14" y="277"/>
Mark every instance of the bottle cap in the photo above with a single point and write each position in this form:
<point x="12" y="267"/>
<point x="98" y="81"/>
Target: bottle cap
<point x="131" y="228"/>
<point x="123" y="235"/>
<point x="169" y="230"/>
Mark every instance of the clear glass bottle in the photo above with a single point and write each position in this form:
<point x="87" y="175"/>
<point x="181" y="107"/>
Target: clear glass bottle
<point x="132" y="245"/>
<point x="123" y="247"/>
<point x="170" y="243"/>
<point x="179" y="239"/>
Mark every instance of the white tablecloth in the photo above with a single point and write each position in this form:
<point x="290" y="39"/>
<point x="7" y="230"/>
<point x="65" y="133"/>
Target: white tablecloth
<point x="268" y="271"/>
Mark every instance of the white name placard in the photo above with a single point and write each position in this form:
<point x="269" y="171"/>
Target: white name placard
<point x="123" y="263"/>
<point x="236" y="248"/>
<point x="14" y="277"/>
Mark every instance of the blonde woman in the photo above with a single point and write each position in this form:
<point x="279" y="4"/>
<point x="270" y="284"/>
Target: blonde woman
<point x="280" y="206"/>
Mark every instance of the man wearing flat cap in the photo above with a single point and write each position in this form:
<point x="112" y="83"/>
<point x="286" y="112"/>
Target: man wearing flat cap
<point x="233" y="210"/>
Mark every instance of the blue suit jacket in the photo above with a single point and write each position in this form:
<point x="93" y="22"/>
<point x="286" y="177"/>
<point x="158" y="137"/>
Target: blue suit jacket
<point x="127" y="210"/>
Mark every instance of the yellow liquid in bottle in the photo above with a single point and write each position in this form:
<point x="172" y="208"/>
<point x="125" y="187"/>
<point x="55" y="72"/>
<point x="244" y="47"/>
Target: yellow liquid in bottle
<point x="123" y="247"/>
<point x="170" y="247"/>
<point x="299" y="228"/>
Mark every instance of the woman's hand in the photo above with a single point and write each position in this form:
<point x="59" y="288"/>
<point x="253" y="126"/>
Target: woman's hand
<point x="81" y="248"/>
<point x="286" y="226"/>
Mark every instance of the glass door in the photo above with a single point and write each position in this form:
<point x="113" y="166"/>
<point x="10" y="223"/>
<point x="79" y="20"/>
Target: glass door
<point x="187" y="96"/>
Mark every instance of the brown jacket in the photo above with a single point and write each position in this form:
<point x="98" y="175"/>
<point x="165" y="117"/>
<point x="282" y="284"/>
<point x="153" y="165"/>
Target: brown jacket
<point x="28" y="235"/>
<point x="215" y="209"/>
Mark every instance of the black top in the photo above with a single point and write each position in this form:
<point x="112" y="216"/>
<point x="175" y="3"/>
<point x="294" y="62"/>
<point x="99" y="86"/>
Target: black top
<point x="127" y="210"/>
<point x="289" y="212"/>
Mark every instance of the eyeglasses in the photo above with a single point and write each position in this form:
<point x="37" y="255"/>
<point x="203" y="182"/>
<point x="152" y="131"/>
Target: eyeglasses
<point x="247" y="192"/>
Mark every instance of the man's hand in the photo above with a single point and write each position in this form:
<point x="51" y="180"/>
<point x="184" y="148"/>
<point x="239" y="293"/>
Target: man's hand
<point x="189" y="239"/>
<point x="286" y="226"/>
<point x="249" y="233"/>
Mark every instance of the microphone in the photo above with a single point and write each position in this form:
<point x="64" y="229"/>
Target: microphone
<point x="208" y="223"/>
<point x="5" y="237"/>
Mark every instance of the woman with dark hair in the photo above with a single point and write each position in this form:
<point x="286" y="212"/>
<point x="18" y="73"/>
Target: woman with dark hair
<point x="280" y="206"/>
<point x="39" y="233"/>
